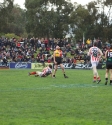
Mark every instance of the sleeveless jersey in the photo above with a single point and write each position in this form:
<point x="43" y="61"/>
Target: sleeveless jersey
<point x="58" y="53"/>
<point x="109" y="56"/>
<point x="47" y="71"/>
<point x="94" y="53"/>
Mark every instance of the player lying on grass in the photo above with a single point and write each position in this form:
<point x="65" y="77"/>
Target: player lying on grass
<point x="45" y="72"/>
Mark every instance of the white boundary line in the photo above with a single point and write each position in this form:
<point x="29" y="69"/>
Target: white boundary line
<point x="63" y="86"/>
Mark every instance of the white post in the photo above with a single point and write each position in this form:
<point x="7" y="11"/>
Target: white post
<point x="83" y="38"/>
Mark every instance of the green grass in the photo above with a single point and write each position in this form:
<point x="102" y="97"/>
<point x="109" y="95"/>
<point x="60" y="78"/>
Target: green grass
<point x="27" y="100"/>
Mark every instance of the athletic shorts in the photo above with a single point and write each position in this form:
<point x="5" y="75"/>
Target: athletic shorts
<point x="40" y="73"/>
<point x="58" y="60"/>
<point x="108" y="66"/>
<point x="94" y="64"/>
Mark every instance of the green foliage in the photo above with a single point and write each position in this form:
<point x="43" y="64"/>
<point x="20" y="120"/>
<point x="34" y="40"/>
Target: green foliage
<point x="29" y="100"/>
<point x="1" y="34"/>
<point x="19" y="21"/>
<point x="44" y="22"/>
<point x="57" y="18"/>
<point x="65" y="18"/>
<point x="11" y="35"/>
<point x="12" y="18"/>
<point x="5" y="15"/>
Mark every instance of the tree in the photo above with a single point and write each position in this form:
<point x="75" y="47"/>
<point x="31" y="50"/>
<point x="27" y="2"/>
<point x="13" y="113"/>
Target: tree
<point x="18" y="23"/>
<point x="104" y="18"/>
<point x="80" y="21"/>
<point x="48" y="17"/>
<point x="5" y="15"/>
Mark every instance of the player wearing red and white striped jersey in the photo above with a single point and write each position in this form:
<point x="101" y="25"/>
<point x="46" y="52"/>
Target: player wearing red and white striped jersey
<point x="45" y="72"/>
<point x="95" y="53"/>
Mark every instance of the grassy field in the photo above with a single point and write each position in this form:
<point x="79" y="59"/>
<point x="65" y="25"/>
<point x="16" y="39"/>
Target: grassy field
<point x="29" y="100"/>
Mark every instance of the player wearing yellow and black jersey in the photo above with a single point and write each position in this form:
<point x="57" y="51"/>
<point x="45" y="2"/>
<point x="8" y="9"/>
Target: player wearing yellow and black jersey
<point x="57" y="56"/>
<point x="108" y="56"/>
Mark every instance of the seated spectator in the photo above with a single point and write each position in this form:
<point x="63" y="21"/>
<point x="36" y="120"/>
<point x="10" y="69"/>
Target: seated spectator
<point x="77" y="51"/>
<point x="72" y="52"/>
<point x="49" y="60"/>
<point x="18" y="45"/>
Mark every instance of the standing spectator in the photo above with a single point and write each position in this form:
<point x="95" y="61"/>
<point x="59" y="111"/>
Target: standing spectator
<point x="51" y="42"/>
<point x="32" y="41"/>
<point x="36" y="44"/>
<point x="95" y="53"/>
<point x="0" y="42"/>
<point x="42" y="44"/>
<point x="46" y="43"/>
<point x="60" y="43"/>
<point x="39" y="43"/>
<point x="55" y="42"/>
<point x="5" y="60"/>
<point x="99" y="43"/>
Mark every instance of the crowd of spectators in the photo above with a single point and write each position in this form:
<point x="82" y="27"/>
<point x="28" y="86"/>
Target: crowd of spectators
<point x="41" y="49"/>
